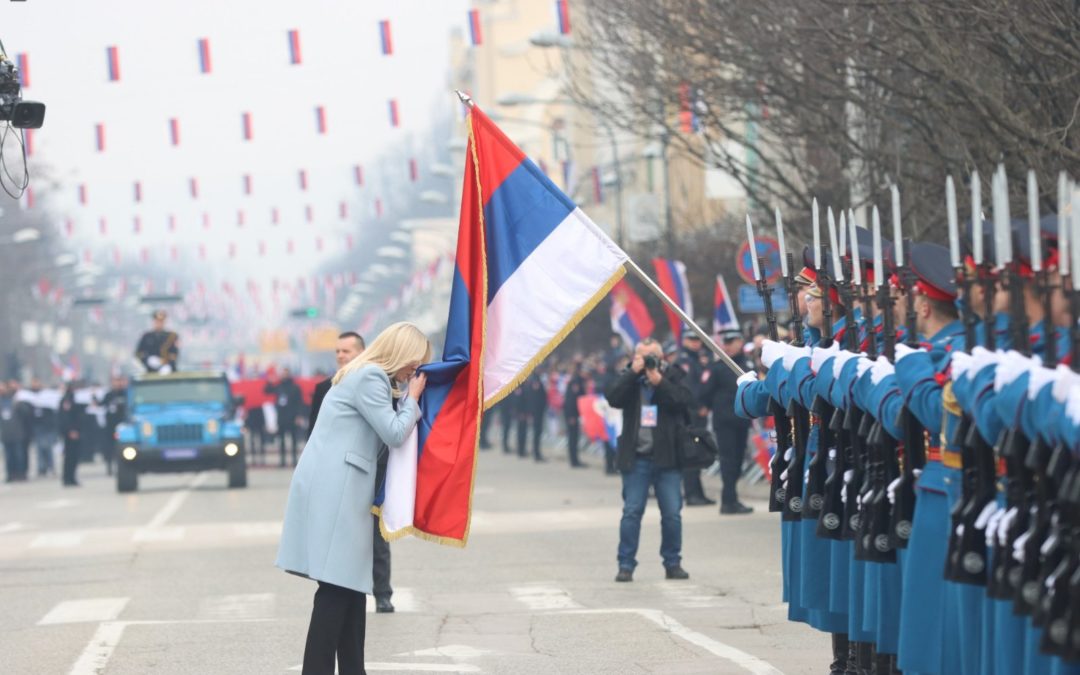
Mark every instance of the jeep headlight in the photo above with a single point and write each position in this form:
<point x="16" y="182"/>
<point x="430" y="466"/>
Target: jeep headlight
<point x="231" y="449"/>
<point x="147" y="429"/>
<point x="129" y="453"/>
<point x="211" y="427"/>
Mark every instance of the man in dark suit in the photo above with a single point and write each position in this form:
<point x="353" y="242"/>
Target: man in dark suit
<point x="731" y="431"/>
<point x="575" y="389"/>
<point x="531" y="408"/>
<point x="695" y="360"/>
<point x="350" y="345"/>
<point x="158" y="349"/>
<point x="287" y="401"/>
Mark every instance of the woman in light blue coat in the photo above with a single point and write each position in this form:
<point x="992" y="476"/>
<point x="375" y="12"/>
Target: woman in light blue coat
<point x="327" y="534"/>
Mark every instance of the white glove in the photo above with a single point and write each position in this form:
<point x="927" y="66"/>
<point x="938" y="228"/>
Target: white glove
<point x="916" y="472"/>
<point x="1040" y="377"/>
<point x="164" y="370"/>
<point x="793" y="354"/>
<point x="880" y="370"/>
<point x="893" y="487"/>
<point x="788" y="454"/>
<point x="820" y="355"/>
<point x="903" y="350"/>
<point x="771" y="351"/>
<point x="153" y="361"/>
<point x="1005" y="525"/>
<point x="960" y="363"/>
<point x="843" y="357"/>
<point x="1018" y="546"/>
<point x="993" y="522"/>
<point x="862" y="366"/>
<point x="783" y="475"/>
<point x="832" y="453"/>
<point x="1066" y="380"/>
<point x="1011" y="365"/>
<point x="746" y="378"/>
<point x="849" y="474"/>
<point x="983" y="521"/>
<point x="982" y="357"/>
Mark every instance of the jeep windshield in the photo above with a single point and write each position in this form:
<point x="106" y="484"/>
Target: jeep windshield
<point x="166" y="392"/>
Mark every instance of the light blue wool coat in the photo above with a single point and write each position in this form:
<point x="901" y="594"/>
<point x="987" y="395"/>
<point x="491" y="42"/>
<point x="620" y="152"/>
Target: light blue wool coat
<point x="328" y="529"/>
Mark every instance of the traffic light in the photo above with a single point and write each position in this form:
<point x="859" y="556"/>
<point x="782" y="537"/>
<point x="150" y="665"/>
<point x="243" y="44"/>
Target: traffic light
<point x="305" y="313"/>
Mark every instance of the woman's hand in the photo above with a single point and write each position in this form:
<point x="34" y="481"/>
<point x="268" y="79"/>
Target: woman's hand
<point x="416" y="386"/>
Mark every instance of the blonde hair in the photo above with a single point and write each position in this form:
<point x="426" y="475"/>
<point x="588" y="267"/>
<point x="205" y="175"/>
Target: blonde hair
<point x="397" y="347"/>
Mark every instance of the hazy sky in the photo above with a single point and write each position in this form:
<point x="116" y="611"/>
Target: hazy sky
<point x="342" y="69"/>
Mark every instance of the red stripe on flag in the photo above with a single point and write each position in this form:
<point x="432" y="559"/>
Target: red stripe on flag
<point x="385" y="39"/>
<point x="320" y="119"/>
<point x="358" y="174"/>
<point x="275" y="215"/>
<point x="309" y="214"/>
<point x="172" y="223"/>
<point x="294" y="47"/>
<point x="204" y="55"/>
<point x="303" y="180"/>
<point x="378" y="208"/>
<point x="240" y="218"/>
<point x="193" y="187"/>
<point x="99" y="136"/>
<point x="82" y="194"/>
<point x="247" y="184"/>
<point x="343" y="210"/>
<point x="138" y="192"/>
<point x="174" y="131"/>
<point x="476" y="35"/>
<point x="498" y="164"/>
<point x="69" y="227"/>
<point x="318" y="243"/>
<point x="206" y="220"/>
<point x="395" y="120"/>
<point x="136" y="226"/>
<point x="562" y="10"/>
<point x="113" y="63"/>
<point x="103" y="226"/>
<point x="413" y="173"/>
<point x="246" y="124"/>
<point x="22" y="62"/>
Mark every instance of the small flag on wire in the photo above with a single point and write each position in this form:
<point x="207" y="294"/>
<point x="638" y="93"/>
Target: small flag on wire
<point x="28" y="134"/>
<point x="303" y="180"/>
<point x="378" y="208"/>
<point x="174" y="131"/>
<point x="193" y="187"/>
<point x="597" y="186"/>
<point x="22" y="62"/>
<point x="723" y="308"/>
<point x="204" y="55"/>
<point x="144" y="255"/>
<point x="113" y="63"/>
<point x="206" y="220"/>
<point x="358" y="174"/>
<point x="82" y="193"/>
<point x="318" y="243"/>
<point x="103" y="226"/>
<point x="232" y="249"/>
<point x="289" y="247"/>
<point x="202" y="251"/>
<point x="262" y="248"/>
<point x="247" y="183"/>
<point x="240" y="218"/>
<point x="99" y="136"/>
<point x="246" y="122"/>
<point x="686" y="115"/>
<point x="562" y="14"/>
<point x="309" y="214"/>
<point x="69" y="227"/>
<point x="343" y="210"/>
<point x="320" y="119"/>
<point x="476" y="36"/>
<point x="385" y="39"/>
<point x="29" y="198"/>
<point x="294" y="47"/>
<point x="138" y="192"/>
<point x="395" y="120"/>
<point x="136" y="225"/>
<point x="275" y="215"/>
<point x="671" y="278"/>
<point x="172" y="223"/>
<point x="413" y="173"/>
<point x="174" y="252"/>
<point x="348" y="242"/>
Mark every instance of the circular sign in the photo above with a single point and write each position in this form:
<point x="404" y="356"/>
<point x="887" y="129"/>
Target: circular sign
<point x="767" y="249"/>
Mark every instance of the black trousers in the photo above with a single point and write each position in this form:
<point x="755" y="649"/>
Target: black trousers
<point x="506" y="421"/>
<point x="573" y="437"/>
<point x="283" y="433"/>
<point x="72" y="447"/>
<point x="731" y="440"/>
<point x="485" y="426"/>
<point x="380" y="564"/>
<point x="536" y="423"/>
<point x="338" y="624"/>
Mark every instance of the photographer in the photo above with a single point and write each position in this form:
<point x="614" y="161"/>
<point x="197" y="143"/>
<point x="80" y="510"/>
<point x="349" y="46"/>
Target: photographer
<point x="654" y="401"/>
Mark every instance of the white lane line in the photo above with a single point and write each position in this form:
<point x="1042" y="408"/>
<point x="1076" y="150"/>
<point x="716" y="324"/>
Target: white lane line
<point x="414" y="667"/>
<point x="404" y="600"/>
<point x="455" y="652"/>
<point x="145" y="534"/>
<point x="8" y="528"/>
<point x="175" y="502"/>
<point x="96" y="655"/>
<point x="84" y="611"/>
<point x="748" y="662"/>
<point x="57" y="504"/>
<point x="267" y="528"/>
<point x="58" y="540"/>
<point x="539" y="597"/>
<point x="244" y="606"/>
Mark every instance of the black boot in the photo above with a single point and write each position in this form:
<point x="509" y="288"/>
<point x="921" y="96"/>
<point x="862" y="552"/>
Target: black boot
<point x="883" y="664"/>
<point x="852" y="667"/>
<point x="839" y="654"/>
<point x="864" y="659"/>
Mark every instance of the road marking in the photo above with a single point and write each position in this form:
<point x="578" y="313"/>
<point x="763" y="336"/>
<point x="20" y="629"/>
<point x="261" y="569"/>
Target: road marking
<point x="57" y="504"/>
<point x="245" y="606"/>
<point x="689" y="595"/>
<point x="414" y="667"/>
<point x="96" y="655"/>
<point x="749" y="662"/>
<point x="8" y="528"/>
<point x="84" y="611"/>
<point x="455" y="652"/>
<point x="58" y="540"/>
<point x="539" y="597"/>
<point x="258" y="529"/>
<point x="175" y="502"/>
<point x="145" y="534"/>
<point x="404" y="600"/>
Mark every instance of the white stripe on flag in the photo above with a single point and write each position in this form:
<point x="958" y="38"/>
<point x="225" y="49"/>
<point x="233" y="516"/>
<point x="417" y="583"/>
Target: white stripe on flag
<point x="543" y="295"/>
<point x="399" y="497"/>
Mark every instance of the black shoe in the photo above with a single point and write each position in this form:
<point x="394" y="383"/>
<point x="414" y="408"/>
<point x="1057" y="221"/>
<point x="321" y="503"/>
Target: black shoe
<point x="738" y="508"/>
<point x="383" y="606"/>
<point x="624" y="575"/>
<point x="579" y="465"/>
<point x="700" y="501"/>
<point x="676" y="572"/>
<point x="540" y="460"/>
<point x="840" y="648"/>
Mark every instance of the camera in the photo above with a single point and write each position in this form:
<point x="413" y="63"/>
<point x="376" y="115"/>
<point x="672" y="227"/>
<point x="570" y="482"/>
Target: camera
<point x="22" y="114"/>
<point x="652" y="363"/>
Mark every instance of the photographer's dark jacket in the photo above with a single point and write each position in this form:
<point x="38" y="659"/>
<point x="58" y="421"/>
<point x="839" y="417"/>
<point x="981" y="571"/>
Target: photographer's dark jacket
<point x="671" y="398"/>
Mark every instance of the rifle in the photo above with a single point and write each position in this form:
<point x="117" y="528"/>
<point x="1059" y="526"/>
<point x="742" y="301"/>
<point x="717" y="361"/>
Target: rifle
<point x="781" y="421"/>
<point x="799" y="416"/>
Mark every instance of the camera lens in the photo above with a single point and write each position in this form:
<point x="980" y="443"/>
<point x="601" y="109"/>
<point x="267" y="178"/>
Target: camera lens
<point x="651" y="362"/>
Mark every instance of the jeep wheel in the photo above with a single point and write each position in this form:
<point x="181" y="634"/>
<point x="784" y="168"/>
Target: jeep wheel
<point x="127" y="480"/>
<point x="238" y="472"/>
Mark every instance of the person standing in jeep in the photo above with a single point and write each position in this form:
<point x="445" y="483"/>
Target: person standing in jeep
<point x="654" y="403"/>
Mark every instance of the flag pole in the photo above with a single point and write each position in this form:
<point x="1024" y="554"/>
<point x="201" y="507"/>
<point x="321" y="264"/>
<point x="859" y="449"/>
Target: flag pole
<point x="674" y="306"/>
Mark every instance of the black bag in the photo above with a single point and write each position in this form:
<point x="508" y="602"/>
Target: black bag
<point x="697" y="447"/>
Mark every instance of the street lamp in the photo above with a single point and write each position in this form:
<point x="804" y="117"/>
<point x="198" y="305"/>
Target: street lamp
<point x="516" y="98"/>
<point x="26" y="234"/>
<point x="550" y="38"/>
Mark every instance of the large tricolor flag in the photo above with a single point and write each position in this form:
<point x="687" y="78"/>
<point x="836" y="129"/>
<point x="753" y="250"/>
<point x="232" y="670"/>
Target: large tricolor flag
<point x="723" y="308"/>
<point x="529" y="266"/>
<point x="671" y="278"/>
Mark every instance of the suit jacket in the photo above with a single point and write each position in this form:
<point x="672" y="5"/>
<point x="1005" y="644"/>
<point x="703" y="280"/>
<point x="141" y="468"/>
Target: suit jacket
<point x="317" y="397"/>
<point x="671" y="397"/>
<point x="328" y="529"/>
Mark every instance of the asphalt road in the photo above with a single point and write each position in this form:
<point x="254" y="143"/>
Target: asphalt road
<point x="178" y="579"/>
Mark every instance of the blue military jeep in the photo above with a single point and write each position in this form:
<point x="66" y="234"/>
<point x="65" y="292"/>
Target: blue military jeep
<point x="179" y="422"/>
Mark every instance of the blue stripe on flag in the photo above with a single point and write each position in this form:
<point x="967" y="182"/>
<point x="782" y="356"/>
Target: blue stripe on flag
<point x="441" y="375"/>
<point x="522" y="212"/>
